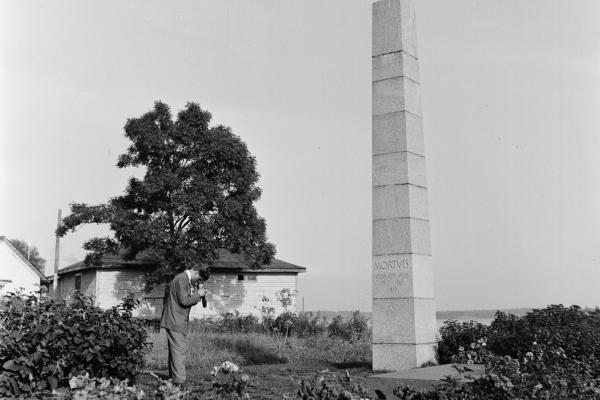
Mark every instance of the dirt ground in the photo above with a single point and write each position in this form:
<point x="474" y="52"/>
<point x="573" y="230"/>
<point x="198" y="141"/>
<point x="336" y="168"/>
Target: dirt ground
<point x="269" y="382"/>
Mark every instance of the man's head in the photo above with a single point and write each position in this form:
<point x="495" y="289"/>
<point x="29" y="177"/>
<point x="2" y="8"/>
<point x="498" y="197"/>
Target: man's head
<point x="198" y="271"/>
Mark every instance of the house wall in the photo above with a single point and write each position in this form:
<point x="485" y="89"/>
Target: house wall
<point x="228" y="294"/>
<point x="15" y="273"/>
<point x="225" y="292"/>
<point x="66" y="283"/>
<point x="114" y="285"/>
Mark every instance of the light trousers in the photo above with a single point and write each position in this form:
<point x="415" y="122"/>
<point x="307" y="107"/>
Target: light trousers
<point x="178" y="347"/>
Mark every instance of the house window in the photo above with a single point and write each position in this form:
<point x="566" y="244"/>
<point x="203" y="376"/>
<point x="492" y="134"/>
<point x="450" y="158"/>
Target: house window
<point x="78" y="282"/>
<point x="251" y="277"/>
<point x="3" y="283"/>
<point x="240" y="277"/>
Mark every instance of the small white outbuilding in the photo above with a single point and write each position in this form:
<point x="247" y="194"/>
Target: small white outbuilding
<point x="232" y="287"/>
<point x="16" y="271"/>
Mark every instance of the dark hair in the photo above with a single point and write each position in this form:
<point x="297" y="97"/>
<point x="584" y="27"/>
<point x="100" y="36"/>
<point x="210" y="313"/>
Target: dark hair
<point x="198" y="266"/>
<point x="202" y="269"/>
<point x="204" y="273"/>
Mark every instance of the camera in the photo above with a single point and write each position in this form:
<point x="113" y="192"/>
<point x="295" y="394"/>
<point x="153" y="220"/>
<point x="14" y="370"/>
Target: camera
<point x="204" y="275"/>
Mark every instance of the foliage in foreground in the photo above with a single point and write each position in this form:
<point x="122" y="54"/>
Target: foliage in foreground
<point x="551" y="354"/>
<point x="228" y="382"/>
<point x="84" y="387"/>
<point x="45" y="341"/>
<point x="328" y="386"/>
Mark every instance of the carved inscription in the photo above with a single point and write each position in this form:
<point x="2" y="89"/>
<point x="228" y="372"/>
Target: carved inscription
<point x="391" y="276"/>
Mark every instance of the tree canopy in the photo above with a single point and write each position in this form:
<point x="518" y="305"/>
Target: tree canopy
<point x="197" y="196"/>
<point x="31" y="253"/>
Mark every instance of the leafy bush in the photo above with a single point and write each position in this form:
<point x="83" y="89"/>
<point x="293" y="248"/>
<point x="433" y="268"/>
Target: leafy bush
<point x="328" y="386"/>
<point x="506" y="378"/>
<point x="236" y="323"/>
<point x="84" y="387"/>
<point x="229" y="382"/>
<point x="550" y="353"/>
<point x="304" y="326"/>
<point x="285" y="323"/>
<point x="356" y="329"/>
<point x="456" y="334"/>
<point x="44" y="341"/>
<point x="571" y="328"/>
<point x="227" y="323"/>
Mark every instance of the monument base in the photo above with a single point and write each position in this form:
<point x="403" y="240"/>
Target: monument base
<point x="399" y="357"/>
<point x="419" y="378"/>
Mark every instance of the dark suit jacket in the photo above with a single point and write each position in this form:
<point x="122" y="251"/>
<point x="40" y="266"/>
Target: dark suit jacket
<point x="177" y="303"/>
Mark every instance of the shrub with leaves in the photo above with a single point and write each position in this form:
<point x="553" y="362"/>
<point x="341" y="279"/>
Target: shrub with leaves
<point x="476" y="353"/>
<point x="45" y="341"/>
<point x="84" y="387"/>
<point x="237" y="323"/>
<point x="329" y="386"/>
<point x="551" y="353"/>
<point x="305" y="326"/>
<point x="506" y="378"/>
<point x="455" y="335"/>
<point x="571" y="328"/>
<point x="229" y="382"/>
<point x="355" y="329"/>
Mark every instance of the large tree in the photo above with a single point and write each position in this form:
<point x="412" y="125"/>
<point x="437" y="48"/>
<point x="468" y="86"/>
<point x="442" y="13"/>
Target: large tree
<point x="197" y="196"/>
<point x="31" y="253"/>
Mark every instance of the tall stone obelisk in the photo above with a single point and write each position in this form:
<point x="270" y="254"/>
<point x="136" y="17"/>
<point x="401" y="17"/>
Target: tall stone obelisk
<point x="404" y="323"/>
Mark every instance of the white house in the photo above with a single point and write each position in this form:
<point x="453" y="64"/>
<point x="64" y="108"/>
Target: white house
<point x="233" y="285"/>
<point x="16" y="271"/>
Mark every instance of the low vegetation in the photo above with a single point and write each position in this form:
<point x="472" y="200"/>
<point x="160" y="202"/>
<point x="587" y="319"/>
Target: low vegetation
<point x="52" y="348"/>
<point x="550" y="353"/>
<point x="76" y="350"/>
<point x="44" y="342"/>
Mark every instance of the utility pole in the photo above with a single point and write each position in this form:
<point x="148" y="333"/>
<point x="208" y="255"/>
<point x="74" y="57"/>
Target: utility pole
<point x="56" y="254"/>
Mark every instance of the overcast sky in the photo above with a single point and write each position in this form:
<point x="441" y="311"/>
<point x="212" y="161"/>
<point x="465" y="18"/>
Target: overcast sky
<point x="511" y="105"/>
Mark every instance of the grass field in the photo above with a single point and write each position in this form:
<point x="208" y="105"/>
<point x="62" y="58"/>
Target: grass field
<point x="275" y="369"/>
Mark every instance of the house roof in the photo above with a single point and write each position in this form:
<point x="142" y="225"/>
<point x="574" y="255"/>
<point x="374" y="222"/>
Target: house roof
<point x="22" y="257"/>
<point x="227" y="262"/>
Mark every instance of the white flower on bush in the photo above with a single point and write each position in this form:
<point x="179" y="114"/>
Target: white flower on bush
<point x="79" y="381"/>
<point x="226" y="367"/>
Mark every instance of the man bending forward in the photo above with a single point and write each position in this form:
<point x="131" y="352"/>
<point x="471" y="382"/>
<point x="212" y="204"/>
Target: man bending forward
<point x="177" y="303"/>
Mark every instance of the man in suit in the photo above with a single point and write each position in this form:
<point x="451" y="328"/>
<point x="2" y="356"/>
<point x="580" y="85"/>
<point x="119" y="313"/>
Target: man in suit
<point x="180" y="296"/>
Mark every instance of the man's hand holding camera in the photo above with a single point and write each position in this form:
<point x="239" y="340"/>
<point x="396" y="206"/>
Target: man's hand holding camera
<point x="199" y="288"/>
